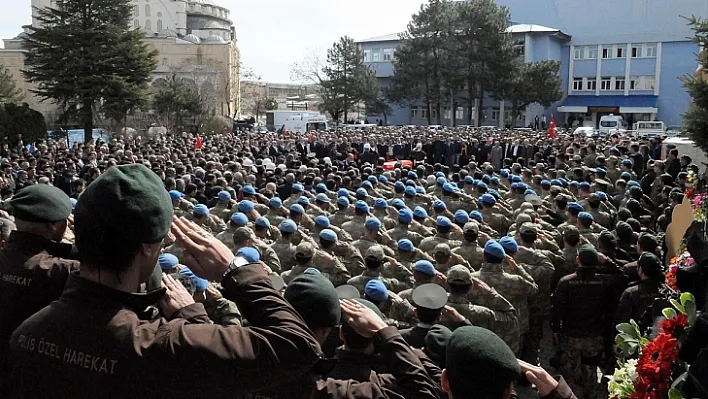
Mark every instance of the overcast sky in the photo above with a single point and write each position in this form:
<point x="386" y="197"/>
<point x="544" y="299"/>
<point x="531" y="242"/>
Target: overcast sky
<point x="272" y="34"/>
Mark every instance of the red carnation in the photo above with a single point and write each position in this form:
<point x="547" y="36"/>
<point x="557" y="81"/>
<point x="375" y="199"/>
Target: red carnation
<point x="675" y="325"/>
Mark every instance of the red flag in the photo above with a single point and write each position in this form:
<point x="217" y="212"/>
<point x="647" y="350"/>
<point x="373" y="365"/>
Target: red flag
<point x="198" y="143"/>
<point x="552" y="128"/>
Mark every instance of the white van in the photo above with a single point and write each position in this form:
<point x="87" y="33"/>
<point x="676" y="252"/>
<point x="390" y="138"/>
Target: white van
<point x="611" y="122"/>
<point x="649" y="129"/>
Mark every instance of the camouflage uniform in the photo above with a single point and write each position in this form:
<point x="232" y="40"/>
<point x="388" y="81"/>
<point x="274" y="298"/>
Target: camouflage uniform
<point x="268" y="256"/>
<point x="227" y="237"/>
<point x="581" y="378"/>
<point x="273" y="217"/>
<point x="403" y="231"/>
<point x="367" y="275"/>
<point x="354" y="227"/>
<point x="366" y="242"/>
<point x="339" y="218"/>
<point x="498" y="315"/>
<point x="222" y="211"/>
<point x="471" y="252"/>
<point x="351" y="257"/>
<point x="331" y="267"/>
<point x="428" y="244"/>
<point x="602" y="218"/>
<point x="285" y="250"/>
<point x="386" y="220"/>
<point x="289" y="275"/>
<point x="499" y="223"/>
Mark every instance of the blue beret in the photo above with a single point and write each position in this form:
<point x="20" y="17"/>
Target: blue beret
<point x="476" y="216"/>
<point x="627" y="162"/>
<point x="482" y="185"/>
<point x="298" y="188"/>
<point x="362" y="206"/>
<point x="495" y="249"/>
<point x="600" y="170"/>
<point x="249" y="253"/>
<point x="262" y="221"/>
<point x="288" y="226"/>
<point x="200" y="284"/>
<point x="321" y="187"/>
<point x="545" y="183"/>
<point x="328" y="235"/>
<point x="245" y="206"/>
<point x="633" y="183"/>
<point x="399" y="185"/>
<point x="626" y="176"/>
<point x="380" y="203"/>
<point x="201" y="210"/>
<point x="494" y="180"/>
<point x="469" y="179"/>
<point x="322" y="221"/>
<point x="372" y="179"/>
<point x="248" y="189"/>
<point x="441" y="180"/>
<point x="412" y="175"/>
<point x="405" y="215"/>
<point x="485" y="179"/>
<point x="425" y="267"/>
<point x="574" y="183"/>
<point x="275" y="202"/>
<point x="529" y="191"/>
<point x="410" y="183"/>
<point x="516" y="179"/>
<point x="361" y="191"/>
<point x="322" y="197"/>
<point x="224" y="195"/>
<point x="303" y="201"/>
<point x="488" y="199"/>
<point x="398" y="203"/>
<point x="167" y="262"/>
<point x="73" y="202"/>
<point x="584" y="186"/>
<point x="494" y="193"/>
<point x="342" y="192"/>
<point x="383" y="179"/>
<point x="367" y="185"/>
<point x="504" y="173"/>
<point x="575" y="207"/>
<point x="585" y="216"/>
<point x="443" y="221"/>
<point x="515" y="186"/>
<point x="343" y="201"/>
<point x="449" y="187"/>
<point x="602" y="195"/>
<point x="376" y="290"/>
<point x="373" y="224"/>
<point x="419" y="212"/>
<point x="420" y="190"/>
<point x="410" y="190"/>
<point x="555" y="182"/>
<point x="239" y="219"/>
<point x="297" y="208"/>
<point x="440" y="174"/>
<point x="406" y="245"/>
<point x="439" y="204"/>
<point x="175" y="195"/>
<point x="461" y="216"/>
<point x="509" y="244"/>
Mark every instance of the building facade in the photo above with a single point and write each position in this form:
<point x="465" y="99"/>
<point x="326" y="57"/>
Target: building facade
<point x="617" y="58"/>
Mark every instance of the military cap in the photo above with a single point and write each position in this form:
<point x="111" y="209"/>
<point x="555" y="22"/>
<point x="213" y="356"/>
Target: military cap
<point x="429" y="296"/>
<point x="419" y="212"/>
<point x="495" y="249"/>
<point x="516" y="186"/>
<point x="366" y="185"/>
<point x="412" y="175"/>
<point x="436" y="341"/>
<point x="248" y="189"/>
<point x="494" y="180"/>
<point x="533" y="199"/>
<point x="410" y="190"/>
<point x="627" y="162"/>
<point x="556" y="182"/>
<point x="528" y="228"/>
<point x="376" y="290"/>
<point x="475" y="355"/>
<point x="546" y="183"/>
<point x="239" y="219"/>
<point x="443" y="221"/>
<point x="482" y="186"/>
<point x="298" y="188"/>
<point x="321" y="187"/>
<point x="574" y="206"/>
<point x="380" y="203"/>
<point x="425" y="267"/>
<point x="246" y="206"/>
<point x="297" y="209"/>
<point x="304" y="201"/>
<point x="509" y="244"/>
<point x="288" y="226"/>
<point x="469" y="179"/>
<point x="633" y="183"/>
<point x="649" y="263"/>
<point x="398" y="203"/>
<point x="648" y="241"/>
<point x="322" y="221"/>
<point x="176" y="195"/>
<point x="516" y="179"/>
<point x="399" y="186"/>
<point x="461" y="216"/>
<point x="406" y="245"/>
<point x="362" y="206"/>
<point x="450" y="188"/>
<point x="439" y="204"/>
<point x="224" y="195"/>
<point x="443" y="249"/>
<point x="343" y="201"/>
<point x="488" y="199"/>
<point x="314" y="297"/>
<point x="602" y="195"/>
<point x="411" y="183"/>
<point x="275" y="202"/>
<point x="328" y="235"/>
<point x="373" y="223"/>
<point x="405" y="215"/>
<point x="361" y="192"/>
<point x="305" y="249"/>
<point x="626" y="176"/>
<point x="73" y="202"/>
<point x="342" y="192"/>
<point x="252" y="255"/>
<point x="529" y="192"/>
<point x="585" y="216"/>
<point x="571" y="232"/>
<point x="262" y="221"/>
<point x="588" y="255"/>
<point x="167" y="262"/>
<point x="321" y="197"/>
<point x="347" y="291"/>
<point x="441" y="180"/>
<point x="420" y="190"/>
<point x="375" y="253"/>
<point x="472" y="227"/>
<point x="460" y="275"/>
<point x="42" y="203"/>
<point x="383" y="179"/>
<point x="476" y="215"/>
<point x="277" y="281"/>
<point x="200" y="285"/>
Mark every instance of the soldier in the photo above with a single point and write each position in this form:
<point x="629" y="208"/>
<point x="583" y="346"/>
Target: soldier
<point x="429" y="301"/>
<point x="322" y="205"/>
<point x="298" y="190"/>
<point x="328" y="262"/>
<point x="304" y="254"/>
<point x="444" y="227"/>
<point x="444" y="258"/>
<point x="243" y="237"/>
<point x="483" y="227"/>
<point x="382" y="212"/>
<point x="354" y="227"/>
<point x="496" y="221"/>
<point x="222" y="209"/>
<point x="580" y="307"/>
<point x="248" y="208"/>
<point x="340" y="217"/>
<point x="237" y="220"/>
<point x="407" y="254"/>
<point x="322" y="222"/>
<point x="374" y="260"/>
<point x="585" y="223"/>
<point x="276" y="213"/>
<point x="470" y="250"/>
<point x="284" y="247"/>
<point x="264" y="231"/>
<point x="177" y="200"/>
<point x="403" y="229"/>
<point x="212" y="224"/>
<point x="372" y="236"/>
<point x="422" y="223"/>
<point x="602" y="218"/>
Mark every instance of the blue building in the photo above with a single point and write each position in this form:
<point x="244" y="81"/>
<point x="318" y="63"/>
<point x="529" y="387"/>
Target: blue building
<point x="618" y="57"/>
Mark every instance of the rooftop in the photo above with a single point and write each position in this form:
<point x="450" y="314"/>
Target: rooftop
<point x="530" y="28"/>
<point x="387" y="38"/>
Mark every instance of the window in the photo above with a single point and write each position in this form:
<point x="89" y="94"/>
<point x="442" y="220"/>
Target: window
<point x="650" y="50"/>
<point x="136" y="23"/>
<point x="423" y="113"/>
<point x="460" y="113"/>
<point x="591" y="84"/>
<point x="495" y="114"/>
<point x="148" y="25"/>
<point x="619" y="83"/>
<point x="367" y="55"/>
<point x="191" y="7"/>
<point x="159" y="25"/>
<point x="577" y="83"/>
<point x="136" y="11"/>
<point x="446" y="113"/>
<point x="649" y="82"/>
<point x="606" y="83"/>
<point x="605" y="53"/>
<point x="635" y="83"/>
<point x="414" y="112"/>
<point x="159" y="14"/>
<point x="388" y="54"/>
<point x="434" y="114"/>
<point x="620" y="51"/>
<point x="592" y="52"/>
<point x="519" y="48"/>
<point x="377" y="55"/>
<point x="147" y="10"/>
<point x="636" y="50"/>
<point x="579" y="53"/>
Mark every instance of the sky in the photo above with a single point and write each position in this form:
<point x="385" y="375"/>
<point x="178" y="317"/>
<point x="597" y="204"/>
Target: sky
<point x="273" y="34"/>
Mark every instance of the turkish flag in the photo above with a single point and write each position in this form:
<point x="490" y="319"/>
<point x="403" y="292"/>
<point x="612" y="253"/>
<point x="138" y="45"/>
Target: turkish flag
<point x="198" y="143"/>
<point x="552" y="128"/>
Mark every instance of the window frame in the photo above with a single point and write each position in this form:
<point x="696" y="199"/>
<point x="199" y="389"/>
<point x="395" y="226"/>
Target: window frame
<point x="579" y="53"/>
<point x="620" y="84"/>
<point x="366" y="53"/>
<point x="376" y="55"/>
<point x="387" y="54"/>
<point x="577" y="84"/>
<point x="590" y="82"/>
<point x="619" y="51"/>
<point x="605" y="83"/>
<point x="495" y="114"/>
<point x="590" y="50"/>
<point x="606" y="53"/>
<point x="637" y="51"/>
<point x="653" y="47"/>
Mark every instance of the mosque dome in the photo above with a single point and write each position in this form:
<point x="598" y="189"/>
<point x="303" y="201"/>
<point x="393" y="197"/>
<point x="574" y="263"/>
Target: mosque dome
<point x="192" y="38"/>
<point x="214" y="39"/>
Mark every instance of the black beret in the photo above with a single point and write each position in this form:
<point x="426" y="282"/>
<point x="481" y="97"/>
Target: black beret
<point x="436" y="341"/>
<point x="588" y="255"/>
<point x="475" y="356"/>
<point x="129" y="199"/>
<point x="315" y="299"/>
<point x="41" y="203"/>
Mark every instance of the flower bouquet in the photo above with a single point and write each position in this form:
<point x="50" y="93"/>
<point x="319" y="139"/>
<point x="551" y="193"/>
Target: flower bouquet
<point x="654" y="372"/>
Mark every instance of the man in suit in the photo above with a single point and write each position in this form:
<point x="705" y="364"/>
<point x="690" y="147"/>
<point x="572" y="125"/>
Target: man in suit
<point x="429" y="300"/>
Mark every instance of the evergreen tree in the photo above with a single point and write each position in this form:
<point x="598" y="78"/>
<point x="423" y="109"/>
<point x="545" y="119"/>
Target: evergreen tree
<point x="84" y="55"/>
<point x="695" y="119"/>
<point x="9" y="93"/>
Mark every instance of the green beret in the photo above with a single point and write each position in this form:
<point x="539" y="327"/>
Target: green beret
<point x="436" y="341"/>
<point x="315" y="299"/>
<point x="475" y="356"/>
<point x="41" y="203"/>
<point x="588" y="255"/>
<point x="130" y="200"/>
<point x="371" y="306"/>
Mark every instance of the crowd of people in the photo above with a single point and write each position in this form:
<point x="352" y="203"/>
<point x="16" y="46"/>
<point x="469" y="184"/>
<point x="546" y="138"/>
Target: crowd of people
<point x="396" y="263"/>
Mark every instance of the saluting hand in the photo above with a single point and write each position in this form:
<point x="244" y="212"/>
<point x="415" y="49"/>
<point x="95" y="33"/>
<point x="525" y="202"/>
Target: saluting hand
<point x="361" y="319"/>
<point x="176" y="297"/>
<point x="545" y="384"/>
<point x="205" y="255"/>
